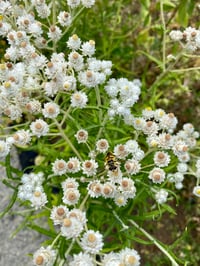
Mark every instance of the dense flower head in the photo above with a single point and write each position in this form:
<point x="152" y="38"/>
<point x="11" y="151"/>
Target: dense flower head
<point x="44" y="256"/>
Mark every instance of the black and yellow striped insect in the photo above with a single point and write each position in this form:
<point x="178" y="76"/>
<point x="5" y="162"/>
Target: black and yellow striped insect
<point x="111" y="162"/>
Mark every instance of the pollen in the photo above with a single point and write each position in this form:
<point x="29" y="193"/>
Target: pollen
<point x="67" y="222"/>
<point x="91" y="238"/>
<point x="39" y="260"/>
<point x="60" y="211"/>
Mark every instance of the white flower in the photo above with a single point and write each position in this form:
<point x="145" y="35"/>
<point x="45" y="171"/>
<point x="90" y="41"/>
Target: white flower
<point x="92" y="242"/>
<point x="161" y="159"/>
<point x="58" y="213"/>
<point x="111" y="259"/>
<point x="157" y="175"/>
<point x="127" y="187"/>
<point x="196" y="191"/>
<point x="94" y="189"/>
<point x="38" y="199"/>
<point x="51" y="110"/>
<point x="108" y="190"/>
<point x="89" y="167"/>
<point x="81" y="136"/>
<point x="39" y="128"/>
<point x="82" y="259"/>
<point x="161" y="196"/>
<point x="120" y="151"/>
<point x="129" y="257"/>
<point x="54" y="33"/>
<point x="75" y="61"/>
<point x="79" y="99"/>
<point x="132" y="166"/>
<point x="44" y="257"/>
<point x="59" y="167"/>
<point x="71" y="196"/>
<point x="176" y="35"/>
<point x="64" y="18"/>
<point x="102" y="145"/>
<point x="73" y="3"/>
<point x="4" y="149"/>
<point x="88" y="3"/>
<point x="71" y="227"/>
<point x="120" y="199"/>
<point x="88" y="48"/>
<point x="74" y="42"/>
<point x="69" y="183"/>
<point x="73" y="165"/>
<point x="22" y="137"/>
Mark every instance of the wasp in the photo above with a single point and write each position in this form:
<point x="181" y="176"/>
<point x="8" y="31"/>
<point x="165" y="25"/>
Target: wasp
<point x="111" y="162"/>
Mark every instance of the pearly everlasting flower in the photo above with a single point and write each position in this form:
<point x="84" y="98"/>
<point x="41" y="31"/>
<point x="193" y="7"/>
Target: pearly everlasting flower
<point x="90" y="78"/>
<point x="158" y="114"/>
<point x="43" y="10"/>
<point x="59" y="167"/>
<point x="94" y="188"/>
<point x="157" y="175"/>
<point x="89" y="167"/>
<point x="131" y="146"/>
<point x="196" y="191"/>
<point x="73" y="165"/>
<point x="129" y="257"/>
<point x="115" y="176"/>
<point x="4" y="149"/>
<point x="108" y="190"/>
<point x="39" y="128"/>
<point x="132" y="166"/>
<point x="38" y="199"/>
<point x="102" y="145"/>
<point x="88" y="3"/>
<point x="139" y="123"/>
<point x="165" y="141"/>
<point x="71" y="196"/>
<point x="127" y="187"/>
<point x="82" y="259"/>
<point x="88" y="48"/>
<point x="161" y="196"/>
<point x="69" y="183"/>
<point x="180" y="148"/>
<point x="81" y="136"/>
<point x="64" y="18"/>
<point x="73" y="3"/>
<point x="54" y="33"/>
<point x="182" y="168"/>
<point x="120" y="199"/>
<point x="79" y="99"/>
<point x="58" y="213"/>
<point x="148" y="113"/>
<point x="178" y="185"/>
<point x="71" y="227"/>
<point x="150" y="128"/>
<point x="176" y="35"/>
<point x="44" y="256"/>
<point x="51" y="110"/>
<point x="75" y="60"/>
<point x="120" y="151"/>
<point x="22" y="137"/>
<point x="161" y="159"/>
<point x="74" y="42"/>
<point x="178" y="177"/>
<point x="111" y="259"/>
<point x="92" y="242"/>
<point x="168" y="122"/>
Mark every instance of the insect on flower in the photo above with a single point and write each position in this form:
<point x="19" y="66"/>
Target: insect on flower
<point x="111" y="162"/>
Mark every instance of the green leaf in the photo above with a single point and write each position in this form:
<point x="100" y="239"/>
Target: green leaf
<point x="11" y="203"/>
<point x="42" y="230"/>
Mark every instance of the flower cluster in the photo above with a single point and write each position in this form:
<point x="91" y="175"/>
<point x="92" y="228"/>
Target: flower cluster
<point x="32" y="189"/>
<point x="189" y="38"/>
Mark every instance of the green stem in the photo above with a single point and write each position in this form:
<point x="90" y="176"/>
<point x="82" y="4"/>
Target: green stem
<point x="156" y="243"/>
<point x="68" y="140"/>
<point x="164" y="35"/>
